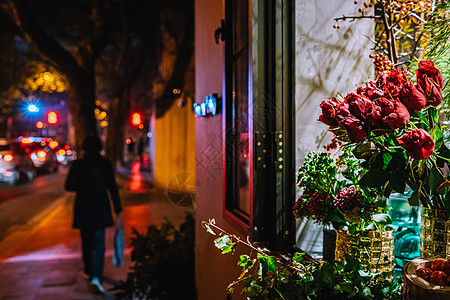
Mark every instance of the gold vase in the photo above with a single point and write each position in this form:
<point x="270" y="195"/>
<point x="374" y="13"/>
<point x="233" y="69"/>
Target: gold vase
<point x="434" y="233"/>
<point x="374" y="249"/>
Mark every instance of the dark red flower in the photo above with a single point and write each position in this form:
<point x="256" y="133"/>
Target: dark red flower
<point x="394" y="113"/>
<point x="358" y="105"/>
<point x="413" y="97"/>
<point x="394" y="76"/>
<point x="328" y="113"/>
<point x="427" y="68"/>
<point x="418" y="143"/>
<point x="333" y="111"/>
<point x="355" y="129"/>
<point x="370" y="91"/>
<point x="375" y="118"/>
<point x="431" y="89"/>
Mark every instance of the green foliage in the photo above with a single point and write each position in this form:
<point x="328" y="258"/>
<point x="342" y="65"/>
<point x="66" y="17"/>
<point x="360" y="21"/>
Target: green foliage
<point x="163" y="263"/>
<point x="270" y="276"/>
<point x="318" y="172"/>
<point x="437" y="50"/>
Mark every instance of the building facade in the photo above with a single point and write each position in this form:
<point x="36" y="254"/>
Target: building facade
<point x="271" y="63"/>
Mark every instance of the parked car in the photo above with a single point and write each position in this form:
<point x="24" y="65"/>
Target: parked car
<point x="43" y="157"/>
<point x="15" y="163"/>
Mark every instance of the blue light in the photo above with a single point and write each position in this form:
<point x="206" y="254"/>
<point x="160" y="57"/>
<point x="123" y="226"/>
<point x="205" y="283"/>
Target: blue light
<point x="207" y="107"/>
<point x="33" y="108"/>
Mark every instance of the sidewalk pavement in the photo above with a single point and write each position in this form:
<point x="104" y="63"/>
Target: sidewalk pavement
<point x="45" y="261"/>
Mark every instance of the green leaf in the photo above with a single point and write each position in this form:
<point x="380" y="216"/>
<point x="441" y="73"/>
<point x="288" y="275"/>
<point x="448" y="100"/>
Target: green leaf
<point x="352" y="228"/>
<point x="435" y="180"/>
<point x="434" y="114"/>
<point x="387" y="157"/>
<point x="246" y="262"/>
<point x="208" y="229"/>
<point x="437" y="136"/>
<point x="374" y="178"/>
<point x="423" y="118"/>
<point x="266" y="264"/>
<point x="298" y="257"/>
<point x="414" y="200"/>
<point x="352" y="264"/>
<point x="229" y="248"/>
<point x="223" y="242"/>
<point x="397" y="181"/>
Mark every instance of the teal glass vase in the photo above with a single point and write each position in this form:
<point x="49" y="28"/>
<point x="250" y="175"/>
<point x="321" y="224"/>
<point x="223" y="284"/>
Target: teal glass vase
<point x="406" y="221"/>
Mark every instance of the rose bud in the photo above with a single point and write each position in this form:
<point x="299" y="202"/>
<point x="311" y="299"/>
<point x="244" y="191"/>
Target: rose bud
<point x="418" y="143"/>
<point x="370" y="91"/>
<point x="427" y="68"/>
<point x="432" y="91"/>
<point x="413" y="97"/>
<point x="358" y="105"/>
<point x="355" y="129"/>
<point x="394" y="113"/>
<point x="424" y="273"/>
<point x="328" y="112"/>
<point x="438" y="278"/>
<point x="437" y="264"/>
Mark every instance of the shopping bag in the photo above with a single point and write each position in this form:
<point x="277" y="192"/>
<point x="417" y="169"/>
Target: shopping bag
<point x="119" y="244"/>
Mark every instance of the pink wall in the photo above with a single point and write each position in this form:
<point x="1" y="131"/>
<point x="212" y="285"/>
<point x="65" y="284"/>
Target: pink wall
<point x="214" y="271"/>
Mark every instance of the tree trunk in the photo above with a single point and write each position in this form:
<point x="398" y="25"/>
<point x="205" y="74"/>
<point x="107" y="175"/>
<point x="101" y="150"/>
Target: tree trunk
<point x="118" y="110"/>
<point x="82" y="104"/>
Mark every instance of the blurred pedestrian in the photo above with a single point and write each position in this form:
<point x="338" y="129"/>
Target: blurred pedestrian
<point x="130" y="150"/>
<point x="92" y="178"/>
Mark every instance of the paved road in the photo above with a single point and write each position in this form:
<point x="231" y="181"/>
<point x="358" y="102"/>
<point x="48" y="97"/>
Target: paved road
<point x="25" y="204"/>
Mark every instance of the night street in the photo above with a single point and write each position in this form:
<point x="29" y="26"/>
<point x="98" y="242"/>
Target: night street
<point x="24" y="204"/>
<point x="40" y="252"/>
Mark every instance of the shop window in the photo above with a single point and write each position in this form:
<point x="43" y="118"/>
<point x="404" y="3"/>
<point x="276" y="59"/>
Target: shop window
<point x="237" y="122"/>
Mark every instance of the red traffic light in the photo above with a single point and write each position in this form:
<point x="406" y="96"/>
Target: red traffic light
<point x="52" y="117"/>
<point x="136" y="119"/>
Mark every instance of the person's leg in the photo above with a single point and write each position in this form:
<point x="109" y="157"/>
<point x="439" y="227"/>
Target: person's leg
<point x="87" y="248"/>
<point x="99" y="257"/>
<point x="99" y="253"/>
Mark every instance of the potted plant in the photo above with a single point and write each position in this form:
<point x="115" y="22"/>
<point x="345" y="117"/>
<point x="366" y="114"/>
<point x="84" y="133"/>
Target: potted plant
<point x="393" y="125"/>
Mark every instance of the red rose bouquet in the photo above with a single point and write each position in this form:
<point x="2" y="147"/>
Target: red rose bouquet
<point x="392" y="125"/>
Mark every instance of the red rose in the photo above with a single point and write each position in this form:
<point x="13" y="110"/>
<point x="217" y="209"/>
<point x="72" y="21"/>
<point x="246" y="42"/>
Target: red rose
<point x="328" y="112"/>
<point x="431" y="89"/>
<point x="391" y="90"/>
<point x="333" y="111"/>
<point x="355" y="129"/>
<point x="377" y="126"/>
<point x="370" y="91"/>
<point x="427" y="68"/>
<point x="418" y="143"/>
<point x="394" y="113"/>
<point x="395" y="76"/>
<point x="413" y="97"/>
<point x="358" y="105"/>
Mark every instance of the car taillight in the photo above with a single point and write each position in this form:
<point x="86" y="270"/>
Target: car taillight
<point x="8" y="157"/>
<point x="41" y="155"/>
<point x="62" y="152"/>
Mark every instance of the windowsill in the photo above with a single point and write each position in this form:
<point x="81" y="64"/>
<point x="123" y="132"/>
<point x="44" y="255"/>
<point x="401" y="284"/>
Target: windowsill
<point x="241" y="226"/>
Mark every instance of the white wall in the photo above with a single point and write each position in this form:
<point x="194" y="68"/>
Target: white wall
<point x="328" y="61"/>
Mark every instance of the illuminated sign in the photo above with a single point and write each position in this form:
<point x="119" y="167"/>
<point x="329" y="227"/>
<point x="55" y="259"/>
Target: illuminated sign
<point x="209" y="107"/>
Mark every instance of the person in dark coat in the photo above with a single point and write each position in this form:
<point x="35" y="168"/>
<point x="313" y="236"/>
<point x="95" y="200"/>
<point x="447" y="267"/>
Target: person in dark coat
<point x="92" y="178"/>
